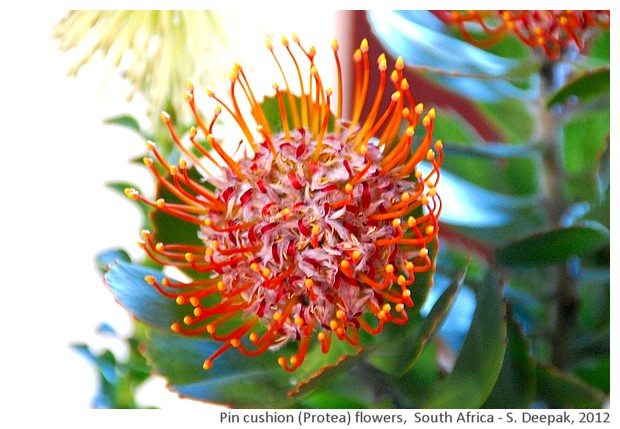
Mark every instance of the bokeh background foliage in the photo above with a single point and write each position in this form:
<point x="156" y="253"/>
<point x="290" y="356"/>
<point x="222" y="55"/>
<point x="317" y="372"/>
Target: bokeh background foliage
<point x="517" y="312"/>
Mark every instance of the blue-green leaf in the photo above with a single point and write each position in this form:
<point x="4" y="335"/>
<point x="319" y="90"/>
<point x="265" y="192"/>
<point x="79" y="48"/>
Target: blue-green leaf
<point x="141" y="299"/>
<point x="418" y="37"/>
<point x="584" y="87"/>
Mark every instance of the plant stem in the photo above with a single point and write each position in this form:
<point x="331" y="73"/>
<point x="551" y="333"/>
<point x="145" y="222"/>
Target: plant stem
<point x="564" y="283"/>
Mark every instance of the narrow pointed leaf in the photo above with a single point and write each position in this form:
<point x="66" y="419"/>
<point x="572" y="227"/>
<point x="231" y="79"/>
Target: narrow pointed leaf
<point x="142" y="300"/>
<point x="126" y="121"/>
<point x="584" y="87"/>
<point x="516" y="385"/>
<point x="478" y="365"/>
<point x="554" y="246"/>
<point x="563" y="390"/>
<point x="397" y="356"/>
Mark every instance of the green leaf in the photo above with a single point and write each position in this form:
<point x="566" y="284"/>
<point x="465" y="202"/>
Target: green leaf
<point x="238" y="380"/>
<point x="479" y="364"/>
<point x="585" y="87"/>
<point x="398" y="356"/>
<point x="562" y="390"/>
<point x="554" y="246"/>
<point x="126" y="121"/>
<point x="516" y="385"/>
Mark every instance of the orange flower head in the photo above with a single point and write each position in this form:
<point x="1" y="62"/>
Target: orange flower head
<point x="550" y="30"/>
<point x="318" y="232"/>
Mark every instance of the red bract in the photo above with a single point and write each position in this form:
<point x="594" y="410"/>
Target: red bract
<point x="316" y="234"/>
<point x="550" y="30"/>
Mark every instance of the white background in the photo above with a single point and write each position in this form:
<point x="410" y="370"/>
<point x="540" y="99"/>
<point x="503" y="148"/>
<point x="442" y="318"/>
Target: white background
<point x="57" y="214"/>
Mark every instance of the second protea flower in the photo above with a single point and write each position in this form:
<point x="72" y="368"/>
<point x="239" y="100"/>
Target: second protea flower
<point x="317" y="231"/>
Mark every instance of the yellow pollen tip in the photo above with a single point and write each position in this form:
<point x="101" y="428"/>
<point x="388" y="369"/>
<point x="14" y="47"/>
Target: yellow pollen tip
<point x="131" y="193"/>
<point x="405" y="196"/>
<point x="299" y="321"/>
<point x="312" y="51"/>
<point x="147" y="161"/>
<point x="364" y="45"/>
<point x="410" y="131"/>
<point x="430" y="154"/>
<point x="235" y="342"/>
<point x="321" y="336"/>
<point x="193" y="132"/>
<point x="165" y="281"/>
<point x="363" y="149"/>
<point x="188" y="95"/>
<point x="401" y="280"/>
<point x="439" y="145"/>
<point x="180" y="300"/>
<point x="396" y="96"/>
<point x="277" y="316"/>
<point x="160" y="203"/>
<point x="210" y="93"/>
<point x="308" y="283"/>
<point x="400" y="63"/>
<point x="254" y="266"/>
<point x="396" y="223"/>
<point x="150" y="146"/>
<point x="431" y="113"/>
<point x="175" y="327"/>
<point x="315" y="230"/>
<point x="286" y="211"/>
<point x="399" y="308"/>
<point x="189" y="257"/>
<point x="209" y="252"/>
<point x="425" y="200"/>
<point x="409" y="266"/>
<point x="253" y="337"/>
<point x="429" y="229"/>
<point x="387" y="308"/>
<point x="149" y="279"/>
<point x="159" y="247"/>
<point x="404" y="85"/>
<point x="295" y="37"/>
<point x="423" y="252"/>
<point x="207" y="364"/>
<point x="389" y="268"/>
<point x="145" y="233"/>
<point x="282" y="361"/>
<point x="210" y="328"/>
<point x="220" y="286"/>
<point x="165" y="117"/>
<point x="419" y="108"/>
<point x="348" y="188"/>
<point x="190" y="85"/>
<point x="188" y="320"/>
<point x="182" y="164"/>
<point x="333" y="325"/>
<point x="432" y="192"/>
<point x="269" y="45"/>
<point x="357" y="55"/>
<point x="418" y="174"/>
<point x="411" y="221"/>
<point x="197" y="311"/>
<point x="294" y="360"/>
<point x="340" y="314"/>
<point x="194" y="301"/>
<point x="208" y="222"/>
<point x="214" y="244"/>
<point x="266" y="272"/>
<point x="381" y="315"/>
<point x="406" y="293"/>
<point x="275" y="86"/>
<point x="335" y="45"/>
<point x="314" y="71"/>
<point x="344" y="264"/>
<point x="356" y="255"/>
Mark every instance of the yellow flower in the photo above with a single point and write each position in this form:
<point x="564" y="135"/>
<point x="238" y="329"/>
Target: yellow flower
<point x="157" y="51"/>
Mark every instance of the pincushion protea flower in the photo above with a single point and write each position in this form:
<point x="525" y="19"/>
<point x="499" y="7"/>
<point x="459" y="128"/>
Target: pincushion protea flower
<point x="320" y="231"/>
<point x="551" y="30"/>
